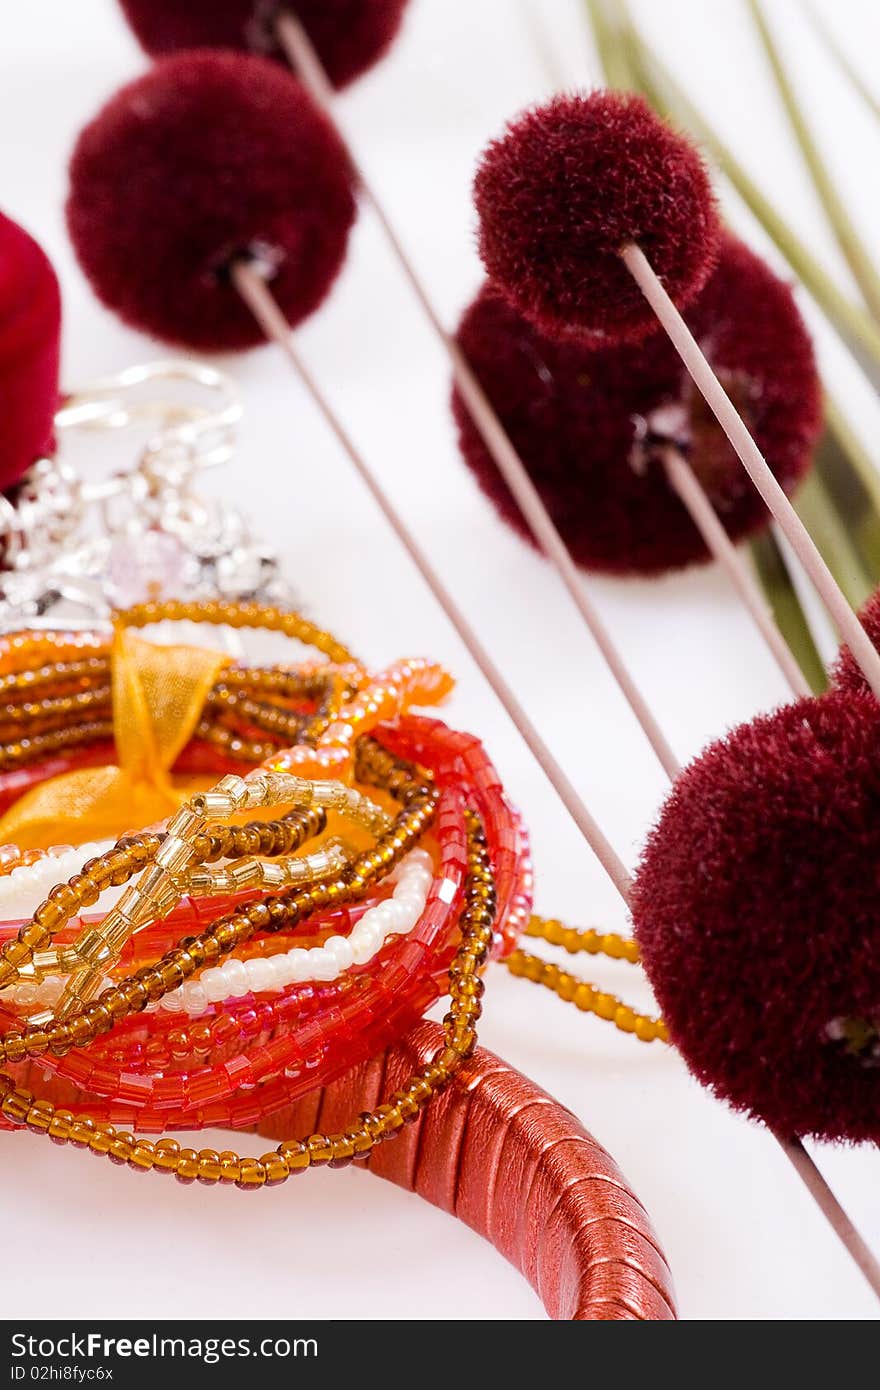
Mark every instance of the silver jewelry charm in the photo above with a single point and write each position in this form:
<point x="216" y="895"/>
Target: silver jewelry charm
<point x="71" y="551"/>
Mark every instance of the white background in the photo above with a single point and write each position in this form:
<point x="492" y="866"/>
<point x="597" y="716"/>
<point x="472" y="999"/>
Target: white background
<point x="86" y="1239"/>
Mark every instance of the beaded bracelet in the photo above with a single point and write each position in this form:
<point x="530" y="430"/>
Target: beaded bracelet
<point x="391" y="1005"/>
<point x="132" y="1065"/>
<point x="188" y="612"/>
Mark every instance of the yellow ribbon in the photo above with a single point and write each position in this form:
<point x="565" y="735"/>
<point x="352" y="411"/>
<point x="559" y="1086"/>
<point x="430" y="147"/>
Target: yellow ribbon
<point x="159" y="693"/>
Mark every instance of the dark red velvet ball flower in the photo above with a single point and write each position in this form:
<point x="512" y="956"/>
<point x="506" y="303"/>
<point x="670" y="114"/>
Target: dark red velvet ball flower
<point x="30" y="346"/>
<point x="591" y="424"/>
<point x="847" y="674"/>
<point x="207" y="157"/>
<point x="757" y="914"/>
<point x="349" y="35"/>
<point x="571" y="183"/>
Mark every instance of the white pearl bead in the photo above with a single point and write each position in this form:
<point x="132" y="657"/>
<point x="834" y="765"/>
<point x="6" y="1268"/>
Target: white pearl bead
<point x="322" y="966"/>
<point x="172" y="1002"/>
<point x="420" y="880"/>
<point x="214" y="982"/>
<point x="365" y="941"/>
<point x="298" y="965"/>
<point x="398" y="920"/>
<point x="421" y="857"/>
<point x="236" y="978"/>
<point x="340" y="949"/>
<point x="259" y="974"/>
<point x="411" y="906"/>
<point x="382" y="917"/>
<point x="280" y="971"/>
<point x="194" y="997"/>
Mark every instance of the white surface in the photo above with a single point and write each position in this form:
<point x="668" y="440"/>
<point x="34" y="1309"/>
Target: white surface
<point x="739" y="1230"/>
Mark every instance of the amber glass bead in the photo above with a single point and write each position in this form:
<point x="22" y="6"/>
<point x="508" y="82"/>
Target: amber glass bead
<point x="275" y="1168"/>
<point x="584" y="997"/>
<point x="230" y="1166"/>
<point x="462" y="1039"/>
<point x="296" y="1155"/>
<point x="566" y="986"/>
<point x="186" y="1169"/>
<point x="16" y="1107"/>
<point x="252" y="1176"/>
<point x="121" y="1149"/>
<point x="167" y="1151"/>
<point x="406" y="1105"/>
<point x="319" y="1149"/>
<point x="82" y="1132"/>
<point x="605" y="1006"/>
<point x="39" y="1116"/>
<point x="390" y="1119"/>
<point x="102" y="1139"/>
<point x="360" y="1139"/>
<point x="373" y="1125"/>
<point x="143" y="1156"/>
<point x="208" y="1166"/>
<point x="342" y="1149"/>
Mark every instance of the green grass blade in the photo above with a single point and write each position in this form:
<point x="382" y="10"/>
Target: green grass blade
<point x="613" y="54"/>
<point x="824" y="523"/>
<point x="835" y="48"/>
<point x="853" y="485"/>
<point x="854" y="326"/>
<point x="789" y="616"/>
<point x="853" y="248"/>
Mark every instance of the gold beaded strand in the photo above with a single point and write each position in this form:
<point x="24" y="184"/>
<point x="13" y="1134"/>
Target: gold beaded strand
<point x="586" y="997"/>
<point x="590" y="941"/>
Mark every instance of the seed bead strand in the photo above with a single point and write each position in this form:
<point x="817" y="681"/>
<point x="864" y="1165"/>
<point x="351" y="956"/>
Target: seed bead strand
<point x="68" y="691"/>
<point x="30" y="749"/>
<point x="129" y="856"/>
<point x="383" y="699"/>
<point x="238" y="615"/>
<point x="586" y="997"/>
<point x="53" y="710"/>
<point x="296" y="1155"/>
<point x="174" y="870"/>
<point x="118" y="865"/>
<point x="151" y="983"/>
<point x="575" y="940"/>
<point x="22" y="651"/>
<point x="328" y="691"/>
<point x="26" y="651"/>
<point x="28" y="683"/>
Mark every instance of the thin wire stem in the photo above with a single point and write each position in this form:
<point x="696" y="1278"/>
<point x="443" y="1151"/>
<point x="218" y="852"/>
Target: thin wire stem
<point x="684" y="482"/>
<point x="844" y="1228"/>
<point x="755" y="464"/>
<point x="262" y="304"/>
<point x="304" y="60"/>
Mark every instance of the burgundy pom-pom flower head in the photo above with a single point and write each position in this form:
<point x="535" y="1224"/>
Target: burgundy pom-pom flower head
<point x="567" y="187"/>
<point x="207" y="157"/>
<point x="591" y="425"/>
<point x="30" y="348"/>
<point x="349" y="35"/>
<point x="757" y="912"/>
